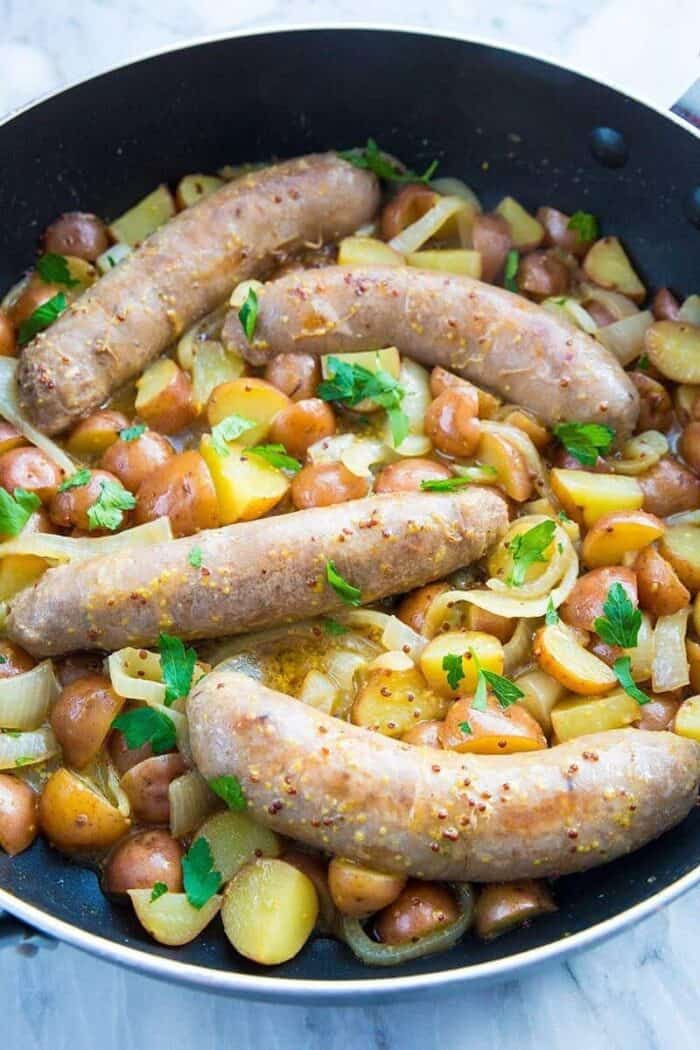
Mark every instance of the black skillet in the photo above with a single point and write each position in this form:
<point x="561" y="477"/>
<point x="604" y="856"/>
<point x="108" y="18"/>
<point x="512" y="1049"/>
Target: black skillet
<point x="504" y="122"/>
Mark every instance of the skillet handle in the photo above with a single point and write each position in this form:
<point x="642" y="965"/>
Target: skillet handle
<point x="24" y="937"/>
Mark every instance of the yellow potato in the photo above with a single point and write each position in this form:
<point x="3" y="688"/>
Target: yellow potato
<point x="247" y="486"/>
<point x="680" y="546"/>
<point x="269" y="911"/>
<point x="513" y="475"/>
<point x="674" y="348"/>
<point x="588" y="496"/>
<point x="212" y="366"/>
<point x="171" y="919"/>
<point x="688" y="718"/>
<point x="367" y="251"/>
<point x="448" y="260"/>
<point x="501" y="906"/>
<point x="560" y="655"/>
<point x="488" y="649"/>
<point x="525" y="231"/>
<point x="138" y="222"/>
<point x="164" y="397"/>
<point x="493" y="731"/>
<point x="607" y="265"/>
<point x="357" y="890"/>
<point x="235" y="839"/>
<point x="194" y="188"/>
<point x="18" y="571"/>
<point x="253" y="399"/>
<point x="74" y="817"/>
<point x="542" y="693"/>
<point x="616" y="534"/>
<point x="578" y="716"/>
<point x="394" y="697"/>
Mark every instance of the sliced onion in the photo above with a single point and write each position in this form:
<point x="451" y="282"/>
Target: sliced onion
<point x="451" y="187"/>
<point x="70" y="548"/>
<point x="690" y="310"/>
<point x="25" y="749"/>
<point x="396" y="635"/>
<point x="342" y="666"/>
<point x="642" y="654"/>
<point x="625" y="338"/>
<point x="572" y="312"/>
<point x="553" y="571"/>
<point x="10" y="410"/>
<point x="669" y="669"/>
<point x="415" y="235"/>
<point x="640" y="453"/>
<point x="516" y="651"/>
<point x="684" y="517"/>
<point x="110" y="258"/>
<point x="319" y="691"/>
<point x="358" y="454"/>
<point x="25" y="698"/>
<point x="477" y="473"/>
<point x="136" y="675"/>
<point x="523" y="444"/>
<point x="191" y="801"/>
<point x="614" y="302"/>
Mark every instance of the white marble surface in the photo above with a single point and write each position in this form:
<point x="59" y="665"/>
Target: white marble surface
<point x="638" y="992"/>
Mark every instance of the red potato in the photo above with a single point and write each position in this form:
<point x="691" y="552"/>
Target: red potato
<point x="425" y="734"/>
<point x="585" y="603"/>
<point x="14" y="660"/>
<point x="142" y="860"/>
<point x="32" y="297"/>
<point x="422" y="908"/>
<point x="92" y="436"/>
<point x="164" y="397"/>
<point x="82" y="717"/>
<point x="78" y="665"/>
<point x="135" y="460"/>
<point x="71" y="508"/>
<point x="18" y="814"/>
<point x="147" y="783"/>
<point x="660" y="714"/>
<point x="689" y="445"/>
<point x="452" y="422"/>
<point x="409" y="205"/>
<point x="123" y="756"/>
<point x="8" y="343"/>
<point x="10" y="437"/>
<point x="504" y="905"/>
<point x="323" y="484"/>
<point x="655" y="406"/>
<point x="296" y="375"/>
<point x="77" y="233"/>
<point x="669" y="488"/>
<point x="660" y="590"/>
<point x="181" y="489"/>
<point x="31" y="469"/>
<point x="414" y="607"/>
<point x="542" y="274"/>
<point x="357" y="890"/>
<point x="558" y="234"/>
<point x="301" y="424"/>
<point x="491" y="238"/>
<point x="75" y="817"/>
<point x="665" y="306"/>
<point x="407" y="475"/>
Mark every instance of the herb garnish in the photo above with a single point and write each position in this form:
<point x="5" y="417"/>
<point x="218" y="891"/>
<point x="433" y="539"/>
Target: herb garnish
<point x="159" y="888"/>
<point x="200" y="879"/>
<point x="228" y="430"/>
<point x="195" y="557"/>
<point x="76" y="481"/>
<point x="133" y="432"/>
<point x="372" y="159"/>
<point x="146" y="725"/>
<point x="444" y="484"/>
<point x="248" y="313"/>
<point x="107" y="512"/>
<point x="230" y="790"/>
<point x="54" y="269"/>
<point x="505" y="691"/>
<point x="177" y="667"/>
<point x="350" y="384"/>
<point x="622" y="620"/>
<point x="453" y="666"/>
<point x="510" y="272"/>
<point x="551" y="617"/>
<point x="334" y="628"/>
<point x="42" y="317"/>
<point x="351" y="595"/>
<point x="585" y="441"/>
<point x="16" y="510"/>
<point x="276" y="456"/>
<point x="465" y="728"/>
<point x="585" y="225"/>
<point x="623" y="672"/>
<point x="527" y="548"/>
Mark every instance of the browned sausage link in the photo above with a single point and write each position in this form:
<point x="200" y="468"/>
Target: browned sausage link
<point x="439" y="814"/>
<point x="496" y="339"/>
<point x="181" y="272"/>
<point x="257" y="574"/>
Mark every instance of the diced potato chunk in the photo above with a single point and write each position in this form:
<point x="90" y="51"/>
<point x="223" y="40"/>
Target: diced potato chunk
<point x="688" y="718"/>
<point x="253" y="399"/>
<point x="616" y="534"/>
<point x="394" y="697"/>
<point x="449" y="260"/>
<point x="194" y="188"/>
<point x="164" y="397"/>
<point x="542" y="693"/>
<point x="495" y="731"/>
<point x="235" y="839"/>
<point x="136" y="224"/>
<point x="488" y="649"/>
<point x="674" y="348"/>
<point x="560" y="655"/>
<point x="246" y="485"/>
<point x="680" y="546"/>
<point x="501" y="906"/>
<point x="367" y="251"/>
<point x="496" y="451"/>
<point x="75" y="817"/>
<point x="212" y="366"/>
<point x="171" y="919"/>
<point x="357" y="890"/>
<point x="581" y="715"/>
<point x="607" y="265"/>
<point x="526" y="232"/>
<point x="270" y="908"/>
<point x="588" y="496"/>
<point x="18" y="571"/>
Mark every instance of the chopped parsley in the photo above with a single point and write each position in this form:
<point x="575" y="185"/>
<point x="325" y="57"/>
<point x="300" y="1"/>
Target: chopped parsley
<point x="107" y="512"/>
<point x="230" y="790"/>
<point x="276" y="456"/>
<point x="42" y="317"/>
<point x="510" y="273"/>
<point x="177" y="667"/>
<point x="146" y="725"/>
<point x="133" y="432"/>
<point x="200" y="879"/>
<point x="195" y="557"/>
<point x="585" y="225"/>
<point x="159" y="888"/>
<point x="54" y="269"/>
<point x="505" y="691"/>
<point x="349" y="594"/>
<point x="585" y="441"/>
<point x="444" y="484"/>
<point x="16" y="510"/>
<point x="643" y="362"/>
<point x="371" y="158"/>
<point x="465" y="728"/>
<point x="248" y="313"/>
<point x="333" y="628"/>
<point x="622" y="620"/>
<point x="350" y="384"/>
<point x="551" y="617"/>
<point x="453" y="666"/>
<point x="76" y="481"/>
<point x="527" y="548"/>
<point x="623" y="672"/>
<point x="228" y="430"/>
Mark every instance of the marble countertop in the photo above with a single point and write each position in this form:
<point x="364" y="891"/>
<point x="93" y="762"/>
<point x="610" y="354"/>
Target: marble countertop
<point x="637" y="992"/>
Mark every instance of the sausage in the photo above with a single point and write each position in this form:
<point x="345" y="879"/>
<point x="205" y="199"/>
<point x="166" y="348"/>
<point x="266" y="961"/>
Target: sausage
<point x="180" y="273"/>
<point x="257" y="574"/>
<point x="524" y="353"/>
<point x="438" y="814"/>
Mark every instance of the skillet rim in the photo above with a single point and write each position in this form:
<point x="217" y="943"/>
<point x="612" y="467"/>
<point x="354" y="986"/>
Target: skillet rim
<point x="295" y="990"/>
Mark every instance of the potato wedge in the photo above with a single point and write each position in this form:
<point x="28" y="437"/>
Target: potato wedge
<point x="560" y="655"/>
<point x="171" y="919"/>
<point x="193" y="188"/>
<point x="367" y="251"/>
<point x="687" y="721"/>
<point x="580" y="715"/>
<point x="660" y="590"/>
<point x="74" y="817"/>
<point x="212" y="366"/>
<point x="542" y="693"/>
<point x="253" y="399"/>
<point x="513" y="475"/>
<point x="357" y="890"/>
<point x="269" y="911"/>
<point x="246" y="485"/>
<point x="92" y="437"/>
<point x="495" y="731"/>
<point x="394" y="697"/>
<point x="525" y="230"/>
<point x="607" y="265"/>
<point x="501" y="906"/>
<point x="674" y="348"/>
<point x="488" y="649"/>
<point x="448" y="260"/>
<point x="585" y="602"/>
<point x="586" y="496"/>
<point x="235" y="839"/>
<point x="680" y="546"/>
<point x="164" y="397"/>
<point x="617" y="534"/>
<point x="136" y="224"/>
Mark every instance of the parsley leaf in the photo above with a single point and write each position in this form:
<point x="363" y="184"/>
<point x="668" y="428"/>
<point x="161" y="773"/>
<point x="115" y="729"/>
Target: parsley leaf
<point x="200" y="879"/>
<point x="585" y="225"/>
<point x="16" y="510"/>
<point x="444" y="484"/>
<point x="350" y="595"/>
<point x="643" y="362"/>
<point x="505" y="691"/>
<point x="177" y="667"/>
<point x="333" y="628"/>
<point x="623" y="673"/>
<point x="230" y="790"/>
<point x="146" y="725"/>
<point x="511" y="270"/>
<point x="248" y="313"/>
<point x="621" y="623"/>
<point x="372" y="159"/>
<point x="107" y="512"/>
<point x="195" y="557"/>
<point x="551" y="617"/>
<point x="133" y="432"/>
<point x="453" y="667"/>
<point x="465" y="728"/>
<point x="480" y="701"/>
<point x="53" y="269"/>
<point x="42" y="317"/>
<point x="276" y="456"/>
<point x="76" y="481"/>
<point x="527" y="548"/>
<point x="159" y="888"/>
<point x="585" y="441"/>
<point x="228" y="430"/>
<point x="350" y="384"/>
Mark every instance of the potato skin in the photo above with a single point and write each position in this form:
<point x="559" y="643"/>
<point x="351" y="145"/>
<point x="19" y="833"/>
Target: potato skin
<point x="660" y="590"/>
<point x="73" y="817"/>
<point x="655" y="406"/>
<point x="33" y="296"/>
<point x="492" y="239"/>
<point x="323" y="484"/>
<point x="425" y="734"/>
<point x="170" y="408"/>
<point x="665" y="306"/>
<point x="92" y="436"/>
<point x="421" y="908"/>
<point x="78" y="665"/>
<point x="133" y="461"/>
<point x="69" y="509"/>
<point x="146" y="785"/>
<point x="585" y="603"/>
<point x="357" y="890"/>
<point x="82" y="717"/>
<point x="503" y="905"/>
<point x="31" y="469"/>
<point x="414" y="607"/>
<point x="296" y="375"/>
<point x="302" y="424"/>
<point x="689" y="445"/>
<point x="77" y="233"/>
<point x="124" y="757"/>
<point x="669" y="488"/>
<point x="557" y="233"/>
<point x="8" y="343"/>
<point x="541" y="274"/>
<point x="407" y="475"/>
<point x="143" y="859"/>
<point x="182" y="489"/>
<point x="18" y="814"/>
<point x="409" y="205"/>
<point x="14" y="660"/>
<point x="452" y="423"/>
